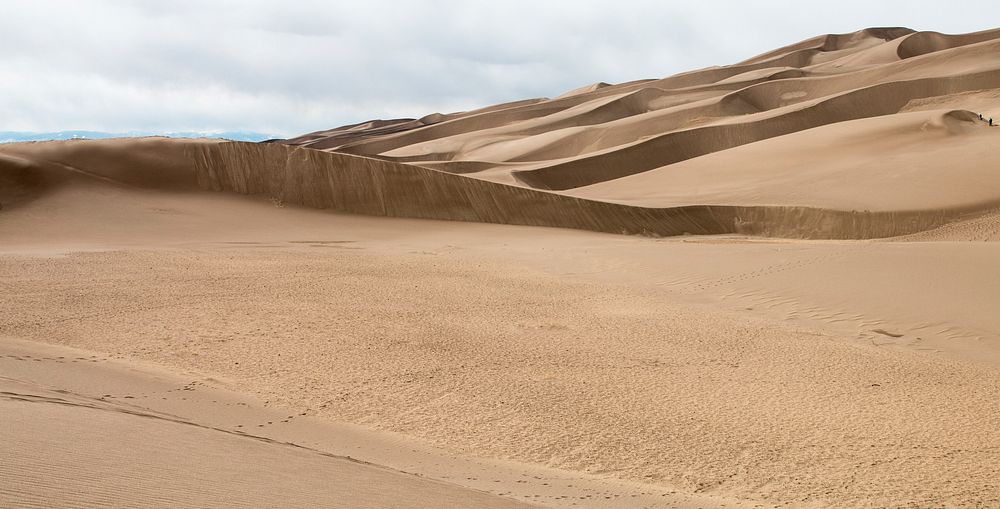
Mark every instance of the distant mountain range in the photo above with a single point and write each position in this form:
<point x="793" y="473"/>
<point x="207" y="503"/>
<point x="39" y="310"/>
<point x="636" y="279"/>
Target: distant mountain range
<point x="17" y="136"/>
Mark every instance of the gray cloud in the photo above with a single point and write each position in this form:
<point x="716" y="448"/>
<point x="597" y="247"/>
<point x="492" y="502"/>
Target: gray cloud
<point x="290" y="68"/>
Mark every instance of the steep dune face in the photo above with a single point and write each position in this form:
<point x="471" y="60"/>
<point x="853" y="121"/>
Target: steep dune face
<point x="923" y="43"/>
<point x="823" y="66"/>
<point x="869" y="134"/>
<point x="685" y="144"/>
<point x="919" y="160"/>
<point x="836" y="42"/>
<point x="654" y="129"/>
<point x="384" y="188"/>
<point x="20" y="181"/>
<point x="642" y="135"/>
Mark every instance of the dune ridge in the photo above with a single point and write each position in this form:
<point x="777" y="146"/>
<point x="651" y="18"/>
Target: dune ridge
<point x="710" y="151"/>
<point x="863" y="72"/>
<point x="384" y="188"/>
<point x="606" y="133"/>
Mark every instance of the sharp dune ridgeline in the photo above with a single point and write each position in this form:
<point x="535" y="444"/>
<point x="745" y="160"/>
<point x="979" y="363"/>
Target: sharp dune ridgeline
<point x="706" y="152"/>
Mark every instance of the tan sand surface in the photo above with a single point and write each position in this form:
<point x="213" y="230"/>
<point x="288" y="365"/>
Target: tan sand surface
<point x="66" y="451"/>
<point x="147" y="437"/>
<point x="578" y="360"/>
<point x="910" y="161"/>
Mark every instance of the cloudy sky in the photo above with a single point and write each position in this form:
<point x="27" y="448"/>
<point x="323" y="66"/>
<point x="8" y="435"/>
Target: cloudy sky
<point x="291" y="67"/>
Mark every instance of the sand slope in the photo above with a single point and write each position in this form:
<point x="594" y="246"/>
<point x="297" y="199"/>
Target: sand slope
<point x="150" y="438"/>
<point x="747" y="125"/>
<point x="384" y="188"/>
<point x="138" y="460"/>
<point x="742" y="369"/>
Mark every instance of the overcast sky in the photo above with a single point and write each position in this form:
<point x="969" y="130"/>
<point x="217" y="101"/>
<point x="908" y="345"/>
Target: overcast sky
<point x="291" y="67"/>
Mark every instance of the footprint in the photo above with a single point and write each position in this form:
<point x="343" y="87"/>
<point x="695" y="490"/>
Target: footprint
<point x="887" y="333"/>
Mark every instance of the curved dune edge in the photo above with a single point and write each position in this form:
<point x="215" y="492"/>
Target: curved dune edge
<point x="383" y="188"/>
<point x="601" y="133"/>
<point x="606" y="158"/>
<point x="633" y="122"/>
<point x="375" y="187"/>
<point x="676" y="146"/>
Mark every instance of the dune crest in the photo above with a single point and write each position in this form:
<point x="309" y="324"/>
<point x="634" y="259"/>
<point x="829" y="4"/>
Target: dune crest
<point x="384" y="188"/>
<point x="716" y="150"/>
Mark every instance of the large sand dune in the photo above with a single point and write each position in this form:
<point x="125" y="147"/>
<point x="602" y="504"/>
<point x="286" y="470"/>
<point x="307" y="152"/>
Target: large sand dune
<point x="870" y="134"/>
<point x="779" y="356"/>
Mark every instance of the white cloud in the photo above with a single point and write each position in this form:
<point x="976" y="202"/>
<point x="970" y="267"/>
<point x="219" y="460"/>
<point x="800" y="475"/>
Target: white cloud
<point x="295" y="67"/>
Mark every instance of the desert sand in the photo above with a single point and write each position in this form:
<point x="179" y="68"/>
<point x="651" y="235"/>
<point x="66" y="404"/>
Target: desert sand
<point x="765" y="284"/>
<point x="125" y="426"/>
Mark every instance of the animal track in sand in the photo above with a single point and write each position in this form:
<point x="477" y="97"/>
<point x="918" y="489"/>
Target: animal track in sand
<point x="887" y="333"/>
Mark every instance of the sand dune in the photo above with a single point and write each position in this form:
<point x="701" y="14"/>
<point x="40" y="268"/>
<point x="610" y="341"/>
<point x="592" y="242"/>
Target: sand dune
<point x="384" y="188"/>
<point x="655" y="128"/>
<point x="924" y="160"/>
<point x="150" y="438"/>
<point x="755" y="112"/>
<point x="49" y="436"/>
<point x="770" y="354"/>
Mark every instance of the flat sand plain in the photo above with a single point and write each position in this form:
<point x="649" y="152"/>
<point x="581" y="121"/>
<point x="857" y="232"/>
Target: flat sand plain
<point x="648" y="361"/>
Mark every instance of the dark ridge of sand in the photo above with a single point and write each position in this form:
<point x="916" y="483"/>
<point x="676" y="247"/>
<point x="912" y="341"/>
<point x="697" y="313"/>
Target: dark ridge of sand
<point x="383" y="188"/>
